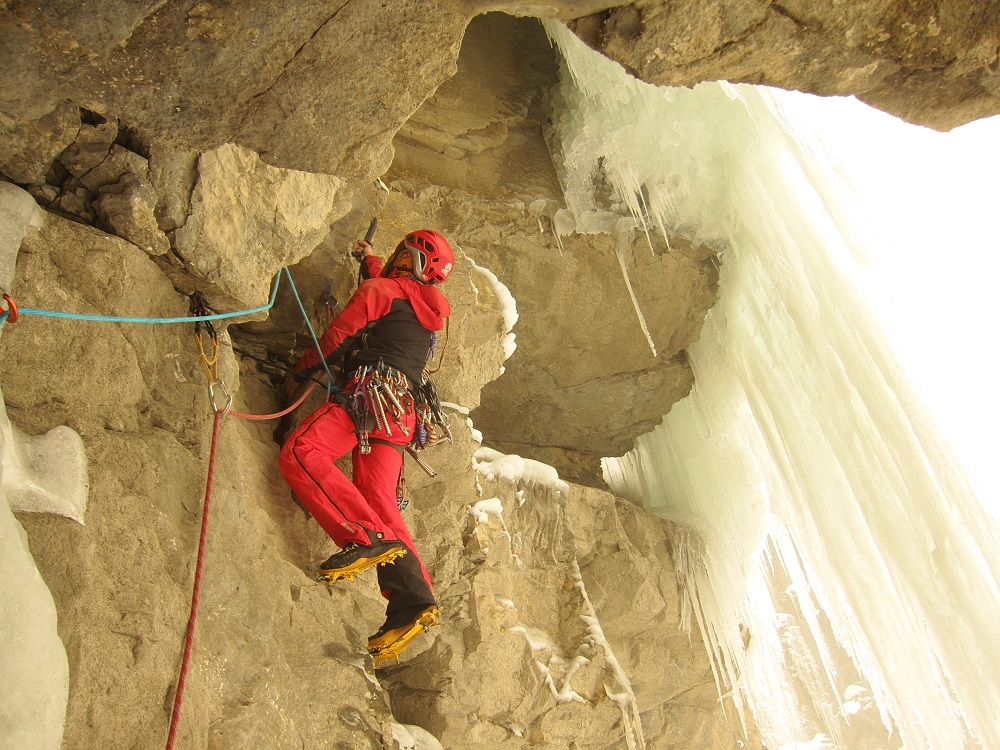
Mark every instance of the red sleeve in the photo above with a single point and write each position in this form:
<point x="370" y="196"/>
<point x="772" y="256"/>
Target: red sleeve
<point x="370" y="302"/>
<point x="371" y="266"/>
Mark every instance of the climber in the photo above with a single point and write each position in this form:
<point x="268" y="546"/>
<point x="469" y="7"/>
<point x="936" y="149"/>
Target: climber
<point x="383" y="338"/>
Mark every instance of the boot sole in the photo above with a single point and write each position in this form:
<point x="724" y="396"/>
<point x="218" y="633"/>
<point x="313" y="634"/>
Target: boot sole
<point x="359" y="566"/>
<point x="391" y="650"/>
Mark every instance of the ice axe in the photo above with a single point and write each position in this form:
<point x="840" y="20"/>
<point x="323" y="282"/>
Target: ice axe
<point x="357" y="254"/>
<point x="368" y="237"/>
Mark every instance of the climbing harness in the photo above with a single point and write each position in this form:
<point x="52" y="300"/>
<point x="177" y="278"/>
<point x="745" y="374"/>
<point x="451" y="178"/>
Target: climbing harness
<point x="377" y="397"/>
<point x="428" y="404"/>
<point x="429" y="416"/>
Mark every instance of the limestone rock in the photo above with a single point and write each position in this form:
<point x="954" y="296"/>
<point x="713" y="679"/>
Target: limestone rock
<point x="325" y="90"/>
<point x="273" y="649"/>
<point x="173" y="173"/>
<point x="583" y="381"/>
<point x="562" y="379"/>
<point x="270" y="217"/>
<point x="119" y="162"/>
<point x="29" y="146"/>
<point x="91" y="147"/>
<point x="559" y="612"/>
<point x="556" y="606"/>
<point x="479" y="132"/>
<point x="929" y="63"/>
<point x="127" y="207"/>
<point x="313" y="87"/>
<point x="122" y="583"/>
<point x="76" y="202"/>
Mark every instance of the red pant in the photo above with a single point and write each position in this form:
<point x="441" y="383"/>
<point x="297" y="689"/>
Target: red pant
<point x="346" y="509"/>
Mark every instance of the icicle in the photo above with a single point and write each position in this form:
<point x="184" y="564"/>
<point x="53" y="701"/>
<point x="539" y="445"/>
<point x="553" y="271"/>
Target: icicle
<point x="621" y="246"/>
<point x="623" y="694"/>
<point x="537" y="209"/>
<point x="803" y="451"/>
<point x="563" y="224"/>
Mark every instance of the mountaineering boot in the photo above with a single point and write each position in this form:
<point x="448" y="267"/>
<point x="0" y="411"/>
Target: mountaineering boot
<point x="399" y="629"/>
<point x="356" y="557"/>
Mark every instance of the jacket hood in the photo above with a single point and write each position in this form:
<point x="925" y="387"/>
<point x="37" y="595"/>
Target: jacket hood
<point x="430" y="306"/>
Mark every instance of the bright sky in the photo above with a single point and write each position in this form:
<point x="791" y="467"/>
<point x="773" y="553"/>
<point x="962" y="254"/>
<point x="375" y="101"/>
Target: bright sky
<point x="934" y="260"/>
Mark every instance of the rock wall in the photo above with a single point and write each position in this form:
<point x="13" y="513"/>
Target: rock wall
<point x="189" y="146"/>
<point x="551" y="611"/>
<point x="930" y="63"/>
<point x="324" y="87"/>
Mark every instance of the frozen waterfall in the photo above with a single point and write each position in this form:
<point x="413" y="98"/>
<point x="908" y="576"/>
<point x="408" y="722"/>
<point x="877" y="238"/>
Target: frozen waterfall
<point x="833" y="472"/>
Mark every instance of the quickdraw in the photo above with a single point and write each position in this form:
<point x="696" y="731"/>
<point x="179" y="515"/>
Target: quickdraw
<point x="210" y="364"/>
<point x="330" y="304"/>
<point x="430" y="418"/>
<point x="381" y="393"/>
<point x="433" y="347"/>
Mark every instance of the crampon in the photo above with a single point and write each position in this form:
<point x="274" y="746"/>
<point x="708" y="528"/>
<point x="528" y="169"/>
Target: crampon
<point x="357" y="558"/>
<point x="386" y="645"/>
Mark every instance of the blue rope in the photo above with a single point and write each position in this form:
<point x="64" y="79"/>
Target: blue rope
<point x="117" y="319"/>
<point x="190" y="319"/>
<point x="305" y="317"/>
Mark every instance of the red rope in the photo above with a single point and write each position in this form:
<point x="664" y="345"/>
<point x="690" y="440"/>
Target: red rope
<point x="293" y="407"/>
<point x="189" y="641"/>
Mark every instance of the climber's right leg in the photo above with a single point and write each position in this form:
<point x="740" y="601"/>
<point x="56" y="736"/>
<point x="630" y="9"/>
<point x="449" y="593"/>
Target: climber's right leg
<point x="307" y="461"/>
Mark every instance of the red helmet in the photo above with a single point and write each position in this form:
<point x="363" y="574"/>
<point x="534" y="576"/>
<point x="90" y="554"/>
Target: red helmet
<point x="431" y="253"/>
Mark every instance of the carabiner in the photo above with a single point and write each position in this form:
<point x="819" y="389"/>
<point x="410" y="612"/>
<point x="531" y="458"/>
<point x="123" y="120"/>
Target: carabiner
<point x="211" y="396"/>
<point x="12" y="314"/>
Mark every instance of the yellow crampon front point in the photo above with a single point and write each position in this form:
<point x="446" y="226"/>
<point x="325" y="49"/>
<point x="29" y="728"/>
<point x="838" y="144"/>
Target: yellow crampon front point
<point x="347" y="573"/>
<point x="389" y="645"/>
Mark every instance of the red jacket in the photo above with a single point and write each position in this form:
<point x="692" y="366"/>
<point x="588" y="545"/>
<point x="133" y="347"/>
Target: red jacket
<point x="387" y="319"/>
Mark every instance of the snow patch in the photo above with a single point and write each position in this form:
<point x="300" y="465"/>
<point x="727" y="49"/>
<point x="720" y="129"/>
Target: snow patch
<point x="46" y="473"/>
<point x="508" y="307"/>
<point x="482" y="510"/>
<point x="412" y="737"/>
<point x="513" y="469"/>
